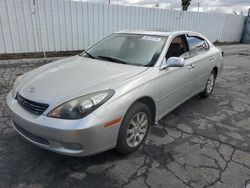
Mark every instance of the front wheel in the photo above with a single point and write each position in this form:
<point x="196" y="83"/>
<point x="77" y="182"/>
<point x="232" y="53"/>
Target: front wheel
<point x="210" y="85"/>
<point x="134" y="128"/>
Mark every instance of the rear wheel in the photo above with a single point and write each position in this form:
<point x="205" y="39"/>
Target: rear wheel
<point x="210" y="85"/>
<point x="134" y="128"/>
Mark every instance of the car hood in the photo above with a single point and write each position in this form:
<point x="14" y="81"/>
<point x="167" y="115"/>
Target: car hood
<point x="73" y="77"/>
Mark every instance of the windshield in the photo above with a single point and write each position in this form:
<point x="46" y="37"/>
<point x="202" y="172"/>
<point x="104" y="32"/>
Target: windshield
<point x="132" y="49"/>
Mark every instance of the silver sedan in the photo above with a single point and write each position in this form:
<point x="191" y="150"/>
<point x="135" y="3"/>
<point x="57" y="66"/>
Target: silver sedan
<point x="108" y="96"/>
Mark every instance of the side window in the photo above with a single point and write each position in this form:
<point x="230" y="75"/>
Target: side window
<point x="197" y="45"/>
<point x="178" y="48"/>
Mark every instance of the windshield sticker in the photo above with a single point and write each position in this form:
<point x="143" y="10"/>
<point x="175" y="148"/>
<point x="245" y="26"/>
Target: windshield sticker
<point x="155" y="39"/>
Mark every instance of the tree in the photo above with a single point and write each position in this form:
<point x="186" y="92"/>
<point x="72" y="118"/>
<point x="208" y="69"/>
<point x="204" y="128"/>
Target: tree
<point x="185" y="4"/>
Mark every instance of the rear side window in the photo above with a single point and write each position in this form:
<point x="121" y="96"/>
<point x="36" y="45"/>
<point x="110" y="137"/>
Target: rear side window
<point x="197" y="45"/>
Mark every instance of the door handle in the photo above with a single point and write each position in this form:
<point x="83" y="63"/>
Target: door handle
<point x="191" y="67"/>
<point x="211" y="58"/>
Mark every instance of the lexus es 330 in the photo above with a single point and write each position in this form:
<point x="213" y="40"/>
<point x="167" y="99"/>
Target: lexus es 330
<point x="108" y="96"/>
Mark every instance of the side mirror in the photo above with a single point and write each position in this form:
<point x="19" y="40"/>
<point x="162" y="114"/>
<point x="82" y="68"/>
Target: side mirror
<point x="173" y="62"/>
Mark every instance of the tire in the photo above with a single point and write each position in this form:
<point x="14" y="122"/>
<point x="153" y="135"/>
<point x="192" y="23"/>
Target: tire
<point x="209" y="85"/>
<point x="132" y="134"/>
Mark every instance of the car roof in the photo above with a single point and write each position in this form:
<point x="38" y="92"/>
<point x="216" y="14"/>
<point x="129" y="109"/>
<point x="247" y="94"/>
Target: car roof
<point x="164" y="33"/>
<point x="155" y="32"/>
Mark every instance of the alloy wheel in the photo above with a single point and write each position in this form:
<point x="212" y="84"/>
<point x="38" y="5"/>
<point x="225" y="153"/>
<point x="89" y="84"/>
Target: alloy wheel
<point x="210" y="83"/>
<point x="137" y="129"/>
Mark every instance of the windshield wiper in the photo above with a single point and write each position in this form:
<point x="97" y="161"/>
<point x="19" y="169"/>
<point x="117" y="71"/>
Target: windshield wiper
<point x="112" y="59"/>
<point x="91" y="56"/>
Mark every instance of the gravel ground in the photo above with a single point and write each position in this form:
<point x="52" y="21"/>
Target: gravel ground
<point x="203" y="143"/>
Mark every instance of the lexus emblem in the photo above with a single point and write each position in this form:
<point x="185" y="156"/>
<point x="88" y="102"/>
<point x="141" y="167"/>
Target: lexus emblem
<point x="32" y="90"/>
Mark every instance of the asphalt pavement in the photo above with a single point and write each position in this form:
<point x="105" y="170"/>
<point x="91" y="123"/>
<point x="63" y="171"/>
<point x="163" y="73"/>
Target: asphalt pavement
<point x="202" y="143"/>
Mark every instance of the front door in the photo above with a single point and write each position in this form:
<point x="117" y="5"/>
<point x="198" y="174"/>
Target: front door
<point x="175" y="83"/>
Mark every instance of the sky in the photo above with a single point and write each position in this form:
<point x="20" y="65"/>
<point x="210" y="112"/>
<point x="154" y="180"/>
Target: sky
<point x="223" y="6"/>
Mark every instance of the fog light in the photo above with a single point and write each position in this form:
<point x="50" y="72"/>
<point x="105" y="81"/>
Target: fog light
<point x="72" y="146"/>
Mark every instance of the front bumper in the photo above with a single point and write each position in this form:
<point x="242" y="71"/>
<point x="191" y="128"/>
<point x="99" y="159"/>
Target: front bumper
<point x="83" y="137"/>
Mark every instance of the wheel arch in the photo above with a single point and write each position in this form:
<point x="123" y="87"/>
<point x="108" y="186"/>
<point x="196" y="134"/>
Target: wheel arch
<point x="150" y="103"/>
<point x="216" y="71"/>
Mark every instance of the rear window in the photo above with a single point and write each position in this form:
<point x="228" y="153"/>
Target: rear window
<point x="197" y="45"/>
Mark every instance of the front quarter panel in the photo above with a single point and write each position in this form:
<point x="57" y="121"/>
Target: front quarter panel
<point x="129" y="91"/>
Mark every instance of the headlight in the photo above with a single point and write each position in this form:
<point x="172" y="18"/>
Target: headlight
<point x="16" y="83"/>
<point x="81" y="106"/>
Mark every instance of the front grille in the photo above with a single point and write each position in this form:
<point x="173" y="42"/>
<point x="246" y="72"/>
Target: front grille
<point x="31" y="106"/>
<point x="30" y="135"/>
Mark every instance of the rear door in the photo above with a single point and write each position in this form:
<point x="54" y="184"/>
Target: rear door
<point x="202" y="59"/>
